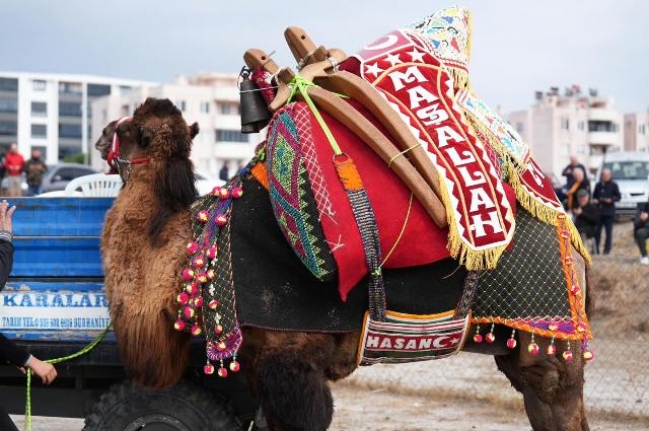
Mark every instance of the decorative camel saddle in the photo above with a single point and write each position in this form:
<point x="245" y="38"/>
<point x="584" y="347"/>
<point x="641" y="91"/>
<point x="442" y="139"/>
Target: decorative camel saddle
<point x="389" y="159"/>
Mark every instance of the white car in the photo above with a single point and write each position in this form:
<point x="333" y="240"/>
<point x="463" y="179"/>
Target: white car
<point x="205" y="184"/>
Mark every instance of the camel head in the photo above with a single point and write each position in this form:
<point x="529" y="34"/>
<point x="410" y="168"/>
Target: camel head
<point x="110" y="140"/>
<point x="158" y="137"/>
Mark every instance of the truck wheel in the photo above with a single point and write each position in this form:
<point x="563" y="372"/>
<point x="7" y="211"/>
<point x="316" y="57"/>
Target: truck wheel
<point x="184" y="407"/>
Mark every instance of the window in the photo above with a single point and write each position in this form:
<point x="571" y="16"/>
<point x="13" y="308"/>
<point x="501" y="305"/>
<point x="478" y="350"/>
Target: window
<point x="580" y="125"/>
<point x="69" y="109"/>
<point x="70" y="131"/>
<point x="205" y="107"/>
<point x="8" y="128"/>
<point x="74" y="88"/>
<point x="8" y="105"/>
<point x="601" y="126"/>
<point x="39" y="85"/>
<point x="565" y="124"/>
<point x="181" y="105"/>
<point x="8" y="84"/>
<point x="642" y="129"/>
<point x="230" y="136"/>
<point x="39" y="109"/>
<point x="39" y="131"/>
<point x="628" y="170"/>
<point x="98" y="90"/>
<point x="125" y="90"/>
<point x="228" y="108"/>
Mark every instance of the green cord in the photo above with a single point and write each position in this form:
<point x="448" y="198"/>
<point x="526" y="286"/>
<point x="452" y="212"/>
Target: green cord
<point x="28" y="404"/>
<point x="301" y="84"/>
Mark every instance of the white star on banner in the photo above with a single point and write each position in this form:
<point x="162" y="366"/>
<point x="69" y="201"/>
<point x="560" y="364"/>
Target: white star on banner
<point x="454" y="341"/>
<point x="416" y="55"/>
<point x="374" y="69"/>
<point x="393" y="59"/>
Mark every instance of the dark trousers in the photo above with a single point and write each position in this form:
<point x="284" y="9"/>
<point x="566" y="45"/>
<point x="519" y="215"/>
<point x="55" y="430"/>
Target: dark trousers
<point x="6" y="424"/>
<point x="641" y="236"/>
<point x="606" y="223"/>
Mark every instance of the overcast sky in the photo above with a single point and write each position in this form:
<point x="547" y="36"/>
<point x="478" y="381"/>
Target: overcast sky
<point x="519" y="46"/>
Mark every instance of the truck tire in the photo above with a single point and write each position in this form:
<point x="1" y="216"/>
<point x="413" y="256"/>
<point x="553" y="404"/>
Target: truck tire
<point x="127" y="406"/>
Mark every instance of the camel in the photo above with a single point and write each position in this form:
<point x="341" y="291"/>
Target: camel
<point x="144" y="248"/>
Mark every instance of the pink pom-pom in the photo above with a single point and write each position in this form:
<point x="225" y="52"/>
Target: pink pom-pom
<point x="567" y="356"/>
<point x="179" y="325"/>
<point x="210" y="274"/>
<point x="223" y="373"/>
<point x="196" y="330"/>
<point x="490" y="338"/>
<point x="198" y="262"/>
<point x="221" y="220"/>
<point x="477" y="338"/>
<point x="221" y="346"/>
<point x="511" y="343"/>
<point x="551" y="350"/>
<point x="581" y="327"/>
<point x="189" y="312"/>
<point x="224" y="193"/>
<point x="216" y="191"/>
<point x="201" y="277"/>
<point x="198" y="302"/>
<point x="191" y="288"/>
<point x="188" y="274"/>
<point x="234" y="366"/>
<point x="533" y="348"/>
<point x="237" y="192"/>
<point x="213" y="304"/>
<point x="211" y="253"/>
<point x="192" y="248"/>
<point x="203" y="216"/>
<point x="183" y="298"/>
<point x="208" y="369"/>
<point x="218" y="329"/>
<point x="589" y="355"/>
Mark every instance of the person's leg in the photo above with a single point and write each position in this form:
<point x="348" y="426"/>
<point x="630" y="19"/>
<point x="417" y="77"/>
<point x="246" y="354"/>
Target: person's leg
<point x="641" y="236"/>
<point x="6" y="424"/>
<point x="31" y="190"/>
<point x="609" y="220"/>
<point x="14" y="185"/>
<point x="598" y="235"/>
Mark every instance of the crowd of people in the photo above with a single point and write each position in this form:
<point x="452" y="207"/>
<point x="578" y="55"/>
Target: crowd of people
<point x="593" y="209"/>
<point x="13" y="166"/>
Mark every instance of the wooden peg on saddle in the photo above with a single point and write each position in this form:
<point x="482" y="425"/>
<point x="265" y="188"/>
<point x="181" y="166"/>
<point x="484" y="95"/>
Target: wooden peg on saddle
<point x="305" y="51"/>
<point x="258" y="59"/>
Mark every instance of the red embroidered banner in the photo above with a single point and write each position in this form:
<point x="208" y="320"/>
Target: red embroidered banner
<point x="481" y="222"/>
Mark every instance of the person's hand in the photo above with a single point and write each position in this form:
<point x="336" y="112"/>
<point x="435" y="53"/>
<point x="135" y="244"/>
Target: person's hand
<point x="595" y="201"/>
<point x="644" y="216"/>
<point x="608" y="200"/>
<point x="577" y="211"/>
<point x="6" y="214"/>
<point x="44" y="370"/>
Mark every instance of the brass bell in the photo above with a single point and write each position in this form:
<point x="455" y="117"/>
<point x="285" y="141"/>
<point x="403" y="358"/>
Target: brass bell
<point x="254" y="110"/>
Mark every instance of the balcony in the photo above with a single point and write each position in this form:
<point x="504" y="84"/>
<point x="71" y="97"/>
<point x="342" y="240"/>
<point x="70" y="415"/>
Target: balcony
<point x="604" y="138"/>
<point x="603" y="114"/>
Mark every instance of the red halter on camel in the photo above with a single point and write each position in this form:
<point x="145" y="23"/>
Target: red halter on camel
<point x="114" y="160"/>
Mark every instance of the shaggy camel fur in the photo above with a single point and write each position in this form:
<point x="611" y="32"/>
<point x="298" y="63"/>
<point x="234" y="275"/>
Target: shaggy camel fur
<point x="144" y="239"/>
<point x="144" y="244"/>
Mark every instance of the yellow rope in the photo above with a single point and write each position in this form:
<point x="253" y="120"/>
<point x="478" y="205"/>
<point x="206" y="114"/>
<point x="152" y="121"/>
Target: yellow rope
<point x="402" y="153"/>
<point x="403" y="229"/>
<point x="28" y="403"/>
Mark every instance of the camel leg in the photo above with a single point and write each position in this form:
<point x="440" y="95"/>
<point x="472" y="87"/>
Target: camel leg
<point x="552" y="388"/>
<point x="292" y="392"/>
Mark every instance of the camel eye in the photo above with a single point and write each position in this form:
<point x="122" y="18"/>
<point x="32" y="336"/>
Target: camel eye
<point x="143" y="137"/>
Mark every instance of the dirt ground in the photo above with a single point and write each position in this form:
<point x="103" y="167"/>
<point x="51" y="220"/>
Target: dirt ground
<point x="359" y="409"/>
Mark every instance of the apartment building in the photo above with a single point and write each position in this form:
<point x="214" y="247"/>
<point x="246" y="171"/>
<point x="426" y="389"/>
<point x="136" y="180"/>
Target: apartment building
<point x="210" y="99"/>
<point x="52" y="112"/>
<point x="559" y="125"/>
<point x="636" y="132"/>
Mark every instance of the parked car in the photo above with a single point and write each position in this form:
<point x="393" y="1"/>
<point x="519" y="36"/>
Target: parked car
<point x="59" y="175"/>
<point x="205" y="184"/>
<point x="630" y="170"/>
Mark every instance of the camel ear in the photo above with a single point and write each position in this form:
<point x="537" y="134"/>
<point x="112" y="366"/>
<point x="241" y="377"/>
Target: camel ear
<point x="193" y="130"/>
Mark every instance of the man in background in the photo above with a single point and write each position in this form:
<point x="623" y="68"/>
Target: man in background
<point x="569" y="170"/>
<point x="641" y="231"/>
<point x="605" y="195"/>
<point x="35" y="168"/>
<point x="14" y="164"/>
<point x="587" y="216"/>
